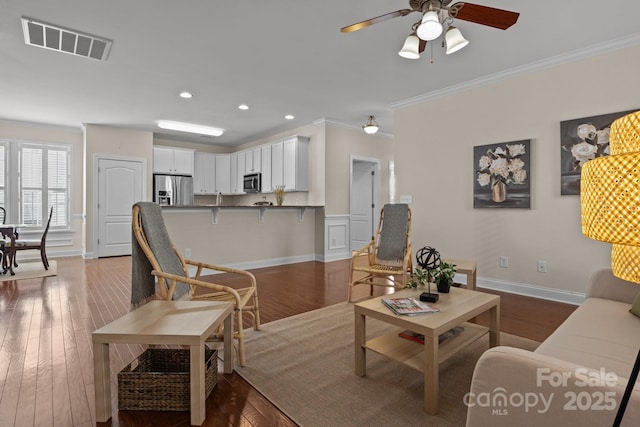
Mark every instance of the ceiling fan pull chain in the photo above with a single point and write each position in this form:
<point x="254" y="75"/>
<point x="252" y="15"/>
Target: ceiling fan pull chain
<point x="431" y="47"/>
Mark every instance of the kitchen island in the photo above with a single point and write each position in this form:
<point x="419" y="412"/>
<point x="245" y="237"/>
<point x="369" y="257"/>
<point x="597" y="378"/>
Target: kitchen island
<point x="247" y="236"/>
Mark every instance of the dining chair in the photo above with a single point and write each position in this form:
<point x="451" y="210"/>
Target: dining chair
<point x="3" y="220"/>
<point x="386" y="259"/>
<point x="34" y="244"/>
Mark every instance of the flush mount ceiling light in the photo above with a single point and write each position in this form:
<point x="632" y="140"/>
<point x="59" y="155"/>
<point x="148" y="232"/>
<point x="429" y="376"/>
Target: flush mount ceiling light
<point x="191" y="128"/>
<point x="289" y="117"/>
<point x="186" y="95"/>
<point x="371" y="126"/>
<point x="57" y="38"/>
<point x="243" y="107"/>
<point x="435" y="15"/>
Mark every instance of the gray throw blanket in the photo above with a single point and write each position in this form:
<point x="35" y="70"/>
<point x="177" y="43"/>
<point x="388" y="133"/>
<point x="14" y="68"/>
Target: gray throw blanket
<point x="143" y="287"/>
<point x="393" y="234"/>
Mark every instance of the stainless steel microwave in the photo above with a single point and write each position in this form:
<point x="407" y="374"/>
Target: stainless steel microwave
<point x="252" y="183"/>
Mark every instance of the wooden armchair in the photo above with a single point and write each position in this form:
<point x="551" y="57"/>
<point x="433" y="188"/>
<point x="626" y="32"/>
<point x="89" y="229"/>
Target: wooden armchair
<point x="386" y="260"/>
<point x="153" y="254"/>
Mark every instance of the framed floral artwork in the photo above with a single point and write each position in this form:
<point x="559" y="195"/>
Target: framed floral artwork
<point x="582" y="140"/>
<point x="502" y="175"/>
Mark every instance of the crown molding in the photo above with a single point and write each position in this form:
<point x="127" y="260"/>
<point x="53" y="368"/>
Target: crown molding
<point x="21" y="123"/>
<point x="344" y="125"/>
<point x="554" y="61"/>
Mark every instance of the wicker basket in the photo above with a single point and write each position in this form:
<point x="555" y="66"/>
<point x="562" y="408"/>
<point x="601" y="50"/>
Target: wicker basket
<point x="159" y="380"/>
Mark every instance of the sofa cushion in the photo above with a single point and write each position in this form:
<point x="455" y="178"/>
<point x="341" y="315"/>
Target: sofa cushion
<point x="635" y="307"/>
<point x="600" y="334"/>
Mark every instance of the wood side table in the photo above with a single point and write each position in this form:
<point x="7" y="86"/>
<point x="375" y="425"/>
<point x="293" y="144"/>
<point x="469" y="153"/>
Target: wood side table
<point x="165" y="322"/>
<point x="465" y="266"/>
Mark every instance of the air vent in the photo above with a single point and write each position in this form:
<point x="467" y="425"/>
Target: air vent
<point x="54" y="37"/>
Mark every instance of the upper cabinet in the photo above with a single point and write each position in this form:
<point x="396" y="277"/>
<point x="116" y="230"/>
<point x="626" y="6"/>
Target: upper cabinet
<point x="233" y="160"/>
<point x="176" y="161"/>
<point x="204" y="177"/>
<point x="290" y="164"/>
<point x="296" y="164"/>
<point x="212" y="174"/>
<point x="223" y="174"/>
<point x="253" y="160"/>
<point x="266" y="169"/>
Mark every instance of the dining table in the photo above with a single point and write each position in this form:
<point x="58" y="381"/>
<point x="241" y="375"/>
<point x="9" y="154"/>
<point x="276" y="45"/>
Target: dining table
<point x="9" y="231"/>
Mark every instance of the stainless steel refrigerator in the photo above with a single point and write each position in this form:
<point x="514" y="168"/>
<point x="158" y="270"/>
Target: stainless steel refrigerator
<point x="173" y="190"/>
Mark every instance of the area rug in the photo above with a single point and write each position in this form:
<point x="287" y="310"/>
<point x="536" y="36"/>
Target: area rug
<point x="30" y="270"/>
<point x="304" y="365"/>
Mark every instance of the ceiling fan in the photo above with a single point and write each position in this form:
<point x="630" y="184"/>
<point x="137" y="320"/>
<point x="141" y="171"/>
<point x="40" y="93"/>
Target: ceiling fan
<point x="435" y="13"/>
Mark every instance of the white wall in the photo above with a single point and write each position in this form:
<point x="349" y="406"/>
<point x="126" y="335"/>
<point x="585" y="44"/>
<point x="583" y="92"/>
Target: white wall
<point x="434" y="163"/>
<point x="110" y="141"/>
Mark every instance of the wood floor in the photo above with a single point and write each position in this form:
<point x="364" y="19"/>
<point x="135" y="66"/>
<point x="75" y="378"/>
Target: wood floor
<point x="46" y="362"/>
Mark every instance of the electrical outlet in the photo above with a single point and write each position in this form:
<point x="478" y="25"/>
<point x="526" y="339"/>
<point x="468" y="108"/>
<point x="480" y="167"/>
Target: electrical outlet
<point x="406" y="198"/>
<point x="187" y="252"/>
<point x="504" y="261"/>
<point x="542" y="266"/>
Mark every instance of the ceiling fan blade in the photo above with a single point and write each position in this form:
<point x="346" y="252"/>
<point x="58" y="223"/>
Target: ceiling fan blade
<point x="422" y="46"/>
<point x="368" y="22"/>
<point x="485" y="15"/>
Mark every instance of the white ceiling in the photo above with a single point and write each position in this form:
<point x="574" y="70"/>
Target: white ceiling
<point x="278" y="56"/>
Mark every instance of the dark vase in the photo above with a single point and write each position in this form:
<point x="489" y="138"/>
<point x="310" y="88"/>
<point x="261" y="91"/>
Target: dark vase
<point x="444" y="285"/>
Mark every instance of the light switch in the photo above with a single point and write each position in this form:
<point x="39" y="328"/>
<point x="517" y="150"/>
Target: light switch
<point x="406" y="198"/>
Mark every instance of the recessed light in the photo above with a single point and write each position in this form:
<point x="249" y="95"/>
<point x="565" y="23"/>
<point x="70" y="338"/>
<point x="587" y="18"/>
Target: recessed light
<point x="188" y="127"/>
<point x="289" y="117"/>
<point x="186" y="95"/>
<point x="243" y="106"/>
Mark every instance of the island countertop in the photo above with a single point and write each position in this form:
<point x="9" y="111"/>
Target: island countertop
<point x="260" y="209"/>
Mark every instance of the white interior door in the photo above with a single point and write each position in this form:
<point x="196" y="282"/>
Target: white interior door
<point x="362" y="203"/>
<point x="120" y="184"/>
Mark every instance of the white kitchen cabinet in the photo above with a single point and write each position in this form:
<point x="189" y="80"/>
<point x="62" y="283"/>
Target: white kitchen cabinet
<point x="204" y="176"/>
<point x="253" y="160"/>
<point x="240" y="172"/>
<point x="223" y="173"/>
<point x="169" y="160"/>
<point x="233" y="159"/>
<point x="266" y="168"/>
<point x="296" y="163"/>
<point x="277" y="164"/>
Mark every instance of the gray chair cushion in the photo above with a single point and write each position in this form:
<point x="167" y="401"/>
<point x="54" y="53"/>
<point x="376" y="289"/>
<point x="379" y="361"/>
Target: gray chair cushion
<point x="393" y="233"/>
<point x="143" y="283"/>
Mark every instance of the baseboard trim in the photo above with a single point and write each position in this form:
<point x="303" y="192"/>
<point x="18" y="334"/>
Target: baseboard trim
<point x="250" y="265"/>
<point x="558" y="295"/>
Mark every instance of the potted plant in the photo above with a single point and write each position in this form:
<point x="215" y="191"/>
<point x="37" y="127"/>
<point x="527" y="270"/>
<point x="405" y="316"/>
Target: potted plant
<point x="419" y="277"/>
<point x="443" y="276"/>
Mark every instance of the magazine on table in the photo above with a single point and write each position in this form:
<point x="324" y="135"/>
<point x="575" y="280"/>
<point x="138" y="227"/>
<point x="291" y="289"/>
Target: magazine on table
<point x="408" y="306"/>
<point x="414" y="336"/>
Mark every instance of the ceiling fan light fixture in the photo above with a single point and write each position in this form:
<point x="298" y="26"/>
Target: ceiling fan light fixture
<point x="372" y="126"/>
<point x="430" y="28"/>
<point x="411" y="47"/>
<point x="454" y="39"/>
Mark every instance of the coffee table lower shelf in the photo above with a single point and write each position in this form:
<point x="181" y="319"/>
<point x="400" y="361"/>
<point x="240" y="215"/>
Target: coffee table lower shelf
<point x="411" y="353"/>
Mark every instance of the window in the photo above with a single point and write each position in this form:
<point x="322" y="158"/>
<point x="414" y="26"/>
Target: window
<point x="38" y="182"/>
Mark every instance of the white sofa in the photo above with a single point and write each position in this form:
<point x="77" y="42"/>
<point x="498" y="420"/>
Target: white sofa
<point x="576" y="377"/>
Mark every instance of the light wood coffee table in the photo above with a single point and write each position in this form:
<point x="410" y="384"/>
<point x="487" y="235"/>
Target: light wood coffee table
<point x="165" y="322"/>
<point x="456" y="307"/>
